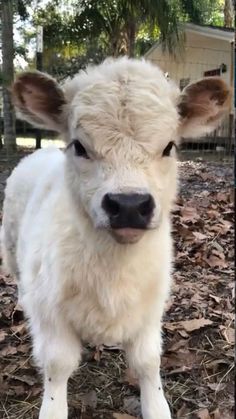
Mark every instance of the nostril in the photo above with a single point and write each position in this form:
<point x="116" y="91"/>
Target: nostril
<point x="111" y="206"/>
<point x="146" y="208"/>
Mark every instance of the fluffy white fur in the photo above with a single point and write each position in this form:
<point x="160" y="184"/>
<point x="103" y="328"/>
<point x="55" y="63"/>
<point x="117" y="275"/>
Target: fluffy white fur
<point x="76" y="283"/>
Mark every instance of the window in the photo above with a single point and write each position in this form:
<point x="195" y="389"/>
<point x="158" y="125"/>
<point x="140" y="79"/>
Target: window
<point x="210" y="73"/>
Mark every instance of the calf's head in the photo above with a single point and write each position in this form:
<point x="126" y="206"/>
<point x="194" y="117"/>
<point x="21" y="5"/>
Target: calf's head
<point x="122" y="121"/>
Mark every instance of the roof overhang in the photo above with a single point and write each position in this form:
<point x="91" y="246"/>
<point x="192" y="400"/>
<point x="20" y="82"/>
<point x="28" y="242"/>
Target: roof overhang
<point x="222" y="35"/>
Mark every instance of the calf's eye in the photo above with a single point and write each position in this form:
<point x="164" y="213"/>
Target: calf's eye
<point x="168" y="149"/>
<point x="80" y="151"/>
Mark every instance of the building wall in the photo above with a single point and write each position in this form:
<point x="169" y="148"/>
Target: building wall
<point x="201" y="53"/>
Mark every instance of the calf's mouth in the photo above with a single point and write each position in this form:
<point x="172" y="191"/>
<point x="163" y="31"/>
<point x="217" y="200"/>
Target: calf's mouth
<point x="127" y="235"/>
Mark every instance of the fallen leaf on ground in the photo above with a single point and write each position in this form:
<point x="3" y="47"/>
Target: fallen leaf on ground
<point x="229" y="335"/>
<point x="214" y="261"/>
<point x="17" y="314"/>
<point x="217" y="414"/>
<point x="188" y="325"/>
<point x="132" y="405"/>
<point x="199" y="236"/>
<point x="203" y="414"/>
<point x="89" y="399"/>
<point x="223" y="197"/>
<point x="130" y="378"/>
<point x="184" y="360"/>
<point x="30" y="380"/>
<point x="216" y="386"/>
<point x="123" y="416"/>
<point x="2" y="335"/>
<point x="189" y="214"/>
<point x="19" y="328"/>
<point x="182" y="412"/>
<point x="177" y="345"/>
<point x="8" y="350"/>
<point x="215" y="298"/>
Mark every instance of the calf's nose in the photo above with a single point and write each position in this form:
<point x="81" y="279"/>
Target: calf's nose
<point x="129" y="210"/>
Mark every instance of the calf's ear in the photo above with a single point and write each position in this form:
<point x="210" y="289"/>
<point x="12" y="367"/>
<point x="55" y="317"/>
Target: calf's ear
<point x="38" y="99"/>
<point x="202" y="106"/>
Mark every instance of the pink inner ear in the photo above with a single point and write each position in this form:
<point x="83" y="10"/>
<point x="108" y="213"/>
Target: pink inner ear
<point x="205" y="98"/>
<point x="36" y="92"/>
<point x="34" y="99"/>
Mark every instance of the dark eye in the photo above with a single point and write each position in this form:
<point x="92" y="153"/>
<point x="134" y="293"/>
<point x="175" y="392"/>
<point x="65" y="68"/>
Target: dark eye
<point x="168" y="149"/>
<point x="79" y="149"/>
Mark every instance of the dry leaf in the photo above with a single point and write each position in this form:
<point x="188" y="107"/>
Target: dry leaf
<point x="8" y="350"/>
<point x="19" y="329"/>
<point x="188" y="325"/>
<point x="132" y="405"/>
<point x="123" y="416"/>
<point x="218" y="414"/>
<point x="177" y="345"/>
<point x="215" y="298"/>
<point x="98" y="353"/>
<point x="203" y="414"/>
<point x="130" y="378"/>
<point x="222" y="197"/>
<point x="199" y="236"/>
<point x="89" y="399"/>
<point x="216" y="386"/>
<point x="30" y="380"/>
<point x="2" y="335"/>
<point x="195" y="324"/>
<point x="189" y="214"/>
<point x="229" y="334"/>
<point x="214" y="261"/>
<point x="183" y="334"/>
<point x="182" y="412"/>
<point x="181" y="359"/>
<point x="17" y="314"/>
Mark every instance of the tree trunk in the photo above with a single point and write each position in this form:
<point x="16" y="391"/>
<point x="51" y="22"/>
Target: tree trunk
<point x="8" y="75"/>
<point x="228" y="14"/>
<point x="131" y="32"/>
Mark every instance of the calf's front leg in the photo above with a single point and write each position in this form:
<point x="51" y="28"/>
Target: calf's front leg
<point x="144" y="358"/>
<point x="58" y="353"/>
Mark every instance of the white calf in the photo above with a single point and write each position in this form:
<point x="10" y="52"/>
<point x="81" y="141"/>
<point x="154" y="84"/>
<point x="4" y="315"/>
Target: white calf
<point x="86" y="231"/>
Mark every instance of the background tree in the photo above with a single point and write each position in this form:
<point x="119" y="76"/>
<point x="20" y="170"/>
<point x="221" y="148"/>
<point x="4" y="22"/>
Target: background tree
<point x="8" y="74"/>
<point x="91" y="30"/>
<point x="228" y="14"/>
<point x="10" y="11"/>
<point x="77" y="32"/>
<point x="120" y="21"/>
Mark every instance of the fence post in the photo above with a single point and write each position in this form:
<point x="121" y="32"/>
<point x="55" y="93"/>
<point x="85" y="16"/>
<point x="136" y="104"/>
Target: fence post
<point x="39" y="66"/>
<point x="231" y="115"/>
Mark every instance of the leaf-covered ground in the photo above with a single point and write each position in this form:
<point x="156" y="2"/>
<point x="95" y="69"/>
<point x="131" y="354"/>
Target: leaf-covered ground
<point x="198" y="353"/>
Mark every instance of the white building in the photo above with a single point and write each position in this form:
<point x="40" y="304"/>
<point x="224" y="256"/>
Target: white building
<point x="207" y="51"/>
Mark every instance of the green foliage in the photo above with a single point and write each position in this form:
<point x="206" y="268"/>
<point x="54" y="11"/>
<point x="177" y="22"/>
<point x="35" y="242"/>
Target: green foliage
<point x="77" y="32"/>
<point x="203" y="11"/>
<point x="21" y="8"/>
<point x="63" y="39"/>
<point x="56" y="26"/>
<point x="120" y="21"/>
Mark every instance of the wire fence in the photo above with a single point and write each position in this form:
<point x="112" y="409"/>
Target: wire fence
<point x="217" y="146"/>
